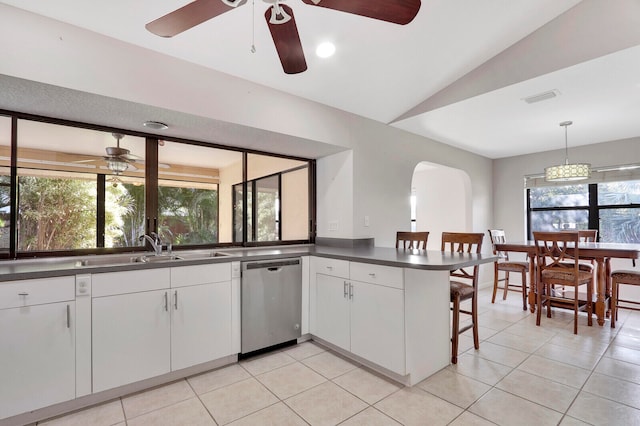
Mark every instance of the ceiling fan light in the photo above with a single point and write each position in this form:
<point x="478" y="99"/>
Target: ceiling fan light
<point x="117" y="166"/>
<point x="326" y="49"/>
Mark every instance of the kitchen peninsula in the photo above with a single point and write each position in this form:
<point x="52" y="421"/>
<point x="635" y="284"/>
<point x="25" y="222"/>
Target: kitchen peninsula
<point x="385" y="308"/>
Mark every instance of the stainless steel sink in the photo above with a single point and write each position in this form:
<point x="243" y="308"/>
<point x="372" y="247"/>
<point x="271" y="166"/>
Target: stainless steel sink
<point x="204" y="254"/>
<point x="121" y="259"/>
<point x="157" y="258"/>
<point x="107" y="260"/>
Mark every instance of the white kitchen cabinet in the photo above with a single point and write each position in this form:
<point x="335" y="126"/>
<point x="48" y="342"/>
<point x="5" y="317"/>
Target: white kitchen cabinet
<point x="363" y="317"/>
<point x="377" y="325"/>
<point x="159" y="320"/>
<point x="131" y="327"/>
<point x="131" y="338"/>
<point x="200" y="314"/>
<point x="37" y="354"/>
<point x="333" y="310"/>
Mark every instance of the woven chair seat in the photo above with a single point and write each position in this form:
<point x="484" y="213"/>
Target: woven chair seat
<point x="513" y="266"/>
<point x="562" y="274"/>
<point x="464" y="290"/>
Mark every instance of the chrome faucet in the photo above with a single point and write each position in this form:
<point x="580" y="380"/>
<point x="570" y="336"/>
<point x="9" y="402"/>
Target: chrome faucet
<point x="155" y="242"/>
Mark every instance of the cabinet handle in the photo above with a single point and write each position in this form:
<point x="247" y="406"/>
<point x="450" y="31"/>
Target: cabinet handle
<point x="175" y="300"/>
<point x="330" y="268"/>
<point x="166" y="301"/>
<point x="344" y="287"/>
<point x="68" y="316"/>
<point x="372" y="275"/>
<point x="23" y="293"/>
<point x="350" y="291"/>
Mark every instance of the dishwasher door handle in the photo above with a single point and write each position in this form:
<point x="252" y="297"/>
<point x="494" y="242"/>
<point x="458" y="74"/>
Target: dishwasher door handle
<point x="274" y="269"/>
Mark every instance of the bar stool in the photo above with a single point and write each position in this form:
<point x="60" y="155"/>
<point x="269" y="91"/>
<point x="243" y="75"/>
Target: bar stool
<point x="412" y="239"/>
<point x="505" y="265"/>
<point x="618" y="278"/>
<point x="463" y="286"/>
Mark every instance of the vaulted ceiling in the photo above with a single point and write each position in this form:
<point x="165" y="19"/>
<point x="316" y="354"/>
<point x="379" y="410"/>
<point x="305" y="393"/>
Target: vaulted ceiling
<point x="458" y="73"/>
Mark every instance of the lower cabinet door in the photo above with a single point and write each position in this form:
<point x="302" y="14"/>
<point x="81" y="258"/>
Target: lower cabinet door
<point x="200" y="324"/>
<point x="377" y="325"/>
<point x="37" y="357"/>
<point x="332" y="310"/>
<point x="131" y="338"/>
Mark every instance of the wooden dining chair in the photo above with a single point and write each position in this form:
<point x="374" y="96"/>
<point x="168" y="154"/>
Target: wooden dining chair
<point x="618" y="278"/>
<point x="558" y="264"/>
<point x="463" y="286"/>
<point x="587" y="264"/>
<point x="505" y="265"/>
<point x="412" y="240"/>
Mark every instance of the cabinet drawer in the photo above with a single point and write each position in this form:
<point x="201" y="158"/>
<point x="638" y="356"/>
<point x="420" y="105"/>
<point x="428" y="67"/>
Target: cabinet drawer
<point x="14" y="294"/>
<point x="111" y="283"/>
<point x="333" y="267"/>
<point x="200" y="274"/>
<point x="377" y="274"/>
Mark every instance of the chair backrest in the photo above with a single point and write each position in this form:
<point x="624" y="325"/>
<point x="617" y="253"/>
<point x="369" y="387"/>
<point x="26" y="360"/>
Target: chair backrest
<point x="498" y="237"/>
<point x="588" y="235"/>
<point x="412" y="240"/>
<point x="463" y="242"/>
<point x="558" y="250"/>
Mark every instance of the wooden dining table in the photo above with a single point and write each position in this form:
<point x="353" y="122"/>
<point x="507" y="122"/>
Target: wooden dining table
<point x="602" y="253"/>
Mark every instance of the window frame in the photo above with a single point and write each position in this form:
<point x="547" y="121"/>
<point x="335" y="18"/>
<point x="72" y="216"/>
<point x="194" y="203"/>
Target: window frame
<point x="151" y="188"/>
<point x="593" y="208"/>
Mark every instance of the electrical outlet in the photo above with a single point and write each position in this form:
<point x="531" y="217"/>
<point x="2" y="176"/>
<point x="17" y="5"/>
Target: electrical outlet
<point x="333" y="225"/>
<point x="366" y="221"/>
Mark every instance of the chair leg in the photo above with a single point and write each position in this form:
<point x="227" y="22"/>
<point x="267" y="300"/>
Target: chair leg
<point x="613" y="303"/>
<point x="590" y="304"/>
<point x="495" y="282"/>
<point x="524" y="290"/>
<point x="548" y="301"/>
<point x="474" y="318"/>
<point x="455" y="329"/>
<point x="538" y="303"/>
<point x="506" y="285"/>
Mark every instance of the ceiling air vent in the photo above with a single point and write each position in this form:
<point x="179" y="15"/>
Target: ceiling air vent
<point x="542" y="96"/>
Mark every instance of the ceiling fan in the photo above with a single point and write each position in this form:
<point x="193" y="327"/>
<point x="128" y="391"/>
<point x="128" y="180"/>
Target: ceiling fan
<point x="281" y="21"/>
<point x="118" y="159"/>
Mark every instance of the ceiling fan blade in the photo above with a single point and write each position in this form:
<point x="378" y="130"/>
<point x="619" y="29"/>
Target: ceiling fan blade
<point x="286" y="38"/>
<point x="190" y="15"/>
<point x="395" y="11"/>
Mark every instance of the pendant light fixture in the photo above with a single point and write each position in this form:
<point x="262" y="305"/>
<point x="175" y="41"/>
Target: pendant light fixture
<point x="567" y="172"/>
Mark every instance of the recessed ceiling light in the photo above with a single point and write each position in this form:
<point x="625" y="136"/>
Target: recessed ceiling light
<point x="155" y="125"/>
<point x="326" y="49"/>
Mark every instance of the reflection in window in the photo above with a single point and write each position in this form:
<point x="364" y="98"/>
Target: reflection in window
<point x="77" y="190"/>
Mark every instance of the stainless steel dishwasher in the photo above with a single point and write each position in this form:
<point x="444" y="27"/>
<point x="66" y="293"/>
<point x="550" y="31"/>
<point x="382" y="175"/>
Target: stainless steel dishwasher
<point x="271" y="303"/>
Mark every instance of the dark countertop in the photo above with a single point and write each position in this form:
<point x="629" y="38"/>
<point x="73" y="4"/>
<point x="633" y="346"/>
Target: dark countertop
<point x="419" y="259"/>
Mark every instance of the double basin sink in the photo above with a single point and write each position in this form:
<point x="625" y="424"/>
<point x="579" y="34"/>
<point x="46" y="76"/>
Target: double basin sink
<point x="127" y="258"/>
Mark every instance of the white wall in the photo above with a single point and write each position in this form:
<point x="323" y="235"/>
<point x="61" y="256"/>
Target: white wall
<point x="372" y="177"/>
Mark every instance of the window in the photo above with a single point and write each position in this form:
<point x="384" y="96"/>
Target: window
<point x="82" y="189"/>
<point x="277" y="200"/>
<point x="194" y="182"/>
<point x="5" y="185"/>
<point x="611" y="207"/>
<point x="72" y="194"/>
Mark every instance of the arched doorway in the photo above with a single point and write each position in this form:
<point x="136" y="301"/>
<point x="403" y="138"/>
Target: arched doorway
<point x="442" y="200"/>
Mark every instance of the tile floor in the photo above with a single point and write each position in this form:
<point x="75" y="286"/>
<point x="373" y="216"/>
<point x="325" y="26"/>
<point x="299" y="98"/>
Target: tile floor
<point x="521" y="375"/>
